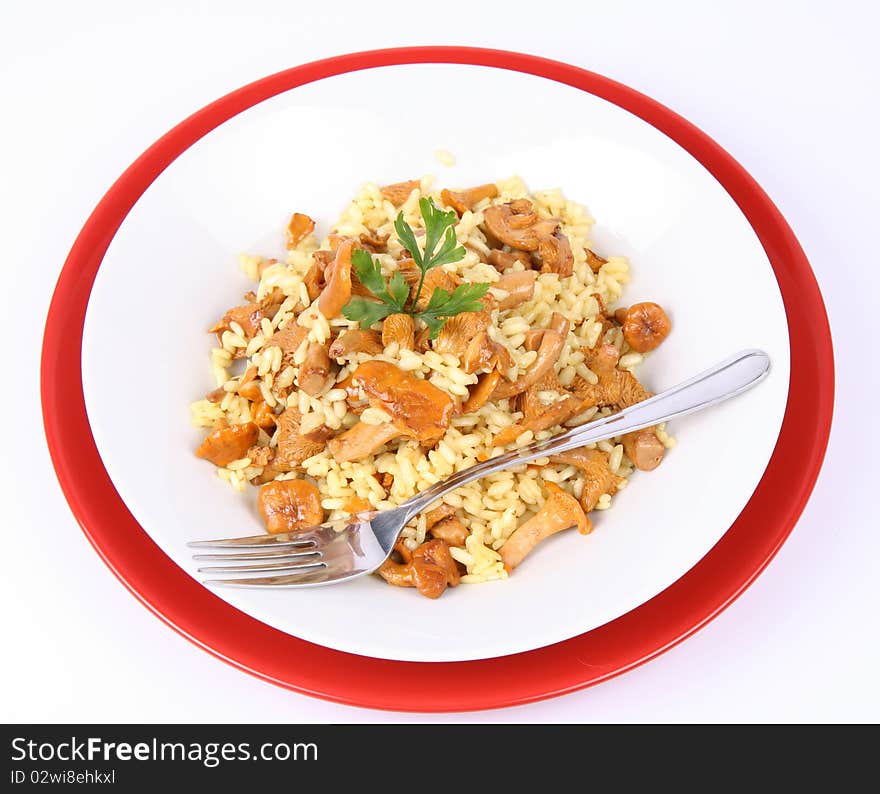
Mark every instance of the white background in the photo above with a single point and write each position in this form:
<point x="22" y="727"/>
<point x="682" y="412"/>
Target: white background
<point x="790" y="89"/>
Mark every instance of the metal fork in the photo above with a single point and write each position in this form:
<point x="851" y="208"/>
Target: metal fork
<point x="345" y="549"/>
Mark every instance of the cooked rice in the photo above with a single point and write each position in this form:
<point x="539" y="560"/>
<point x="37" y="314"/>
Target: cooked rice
<point x="492" y="508"/>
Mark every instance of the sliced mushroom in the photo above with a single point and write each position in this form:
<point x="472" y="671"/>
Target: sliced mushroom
<point x="437" y="515"/>
<point x="338" y="279"/>
<point x="554" y="252"/>
<point x="517" y="225"/>
<point x="519" y="286"/>
<point x="615" y="387"/>
<point x="262" y="415"/>
<point x="481" y="393"/>
<point x="399" y="192"/>
<point x="430" y="569"/>
<point x="289" y="505"/>
<point x="249" y="385"/>
<point x="357" y="340"/>
<point x="288" y="339"/>
<point x="300" y="227"/>
<point x="373" y="241"/>
<point x="417" y="408"/>
<point x="644" y="449"/>
<point x="463" y="200"/>
<point x="451" y="531"/>
<point x="598" y="477"/>
<point x="466" y="337"/>
<point x="549" y="350"/>
<point x="248" y="317"/>
<point x="292" y="448"/>
<point x="560" y="511"/>
<point x="361" y="440"/>
<point x="315" y="369"/>
<point x="399" y="328"/>
<point x="226" y="444"/>
<point x="504" y="260"/>
<point x="594" y="261"/>
<point x="555" y="414"/>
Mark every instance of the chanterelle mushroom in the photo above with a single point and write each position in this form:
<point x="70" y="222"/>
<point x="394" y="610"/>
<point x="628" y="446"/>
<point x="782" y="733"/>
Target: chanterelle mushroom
<point x="289" y="505"/>
<point x="519" y="286"/>
<point x="338" y="278"/>
<point x="560" y="511"/>
<point x="616" y="387"/>
<point x="229" y="443"/>
<point x="417" y="408"/>
<point x="430" y="569"/>
<point x="463" y="200"/>
<point x="552" y="341"/>
<point x="598" y="477"/>
<point x="516" y="224"/>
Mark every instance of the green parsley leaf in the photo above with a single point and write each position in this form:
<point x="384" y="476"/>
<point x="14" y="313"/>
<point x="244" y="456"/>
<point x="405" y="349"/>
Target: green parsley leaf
<point x="399" y="289"/>
<point x="441" y="248"/>
<point x="367" y="312"/>
<point x="369" y="272"/>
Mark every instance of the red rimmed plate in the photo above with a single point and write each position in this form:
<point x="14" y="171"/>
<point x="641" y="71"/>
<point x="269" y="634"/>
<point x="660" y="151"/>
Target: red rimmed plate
<point x="578" y="662"/>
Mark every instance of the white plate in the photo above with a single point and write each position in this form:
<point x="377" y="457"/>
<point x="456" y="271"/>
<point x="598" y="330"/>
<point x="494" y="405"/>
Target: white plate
<point x="172" y="270"/>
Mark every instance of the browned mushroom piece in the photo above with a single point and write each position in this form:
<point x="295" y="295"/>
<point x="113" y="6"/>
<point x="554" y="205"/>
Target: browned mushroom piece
<point x="399" y="328"/>
<point x="249" y="385"/>
<point x="248" y="317"/>
<point x="555" y="414"/>
<point x="314" y="277"/>
<point x="645" y="326"/>
<point x="504" y="260"/>
<point x="337" y="276"/>
<point x="594" y="261"/>
<point x="598" y="477"/>
<point x="292" y="448"/>
<point x="430" y="568"/>
<point x="644" y="449"/>
<point x="288" y="339"/>
<point x="480" y="394"/>
<point x="271" y="302"/>
<point x="437" y="515"/>
<point x="615" y="387"/>
<point x="463" y="200"/>
<point x="356" y="340"/>
<point x="399" y="191"/>
<point x="516" y="224"/>
<point x="451" y="531"/>
<point x="315" y="369"/>
<point x="373" y="242"/>
<point x="262" y="415"/>
<point x="417" y="408"/>
<point x="549" y="350"/>
<point x="226" y="444"/>
<point x="300" y="227"/>
<point x="519" y="286"/>
<point x="560" y="511"/>
<point x="554" y="252"/>
<point x="290" y="505"/>
<point x="466" y="336"/>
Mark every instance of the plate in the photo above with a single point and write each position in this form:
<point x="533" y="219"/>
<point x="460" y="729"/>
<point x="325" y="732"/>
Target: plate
<point x="662" y="193"/>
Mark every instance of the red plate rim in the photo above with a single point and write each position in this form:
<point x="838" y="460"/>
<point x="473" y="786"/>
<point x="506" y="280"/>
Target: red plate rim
<point x="630" y="640"/>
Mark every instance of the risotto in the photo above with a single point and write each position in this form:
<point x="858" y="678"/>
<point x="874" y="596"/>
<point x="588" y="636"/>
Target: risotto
<point x="360" y="371"/>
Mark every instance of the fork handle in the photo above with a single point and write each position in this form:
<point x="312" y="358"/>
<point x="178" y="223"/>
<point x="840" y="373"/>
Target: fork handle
<point x="726" y="379"/>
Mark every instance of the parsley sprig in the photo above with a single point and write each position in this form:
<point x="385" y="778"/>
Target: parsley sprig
<point x="441" y="248"/>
